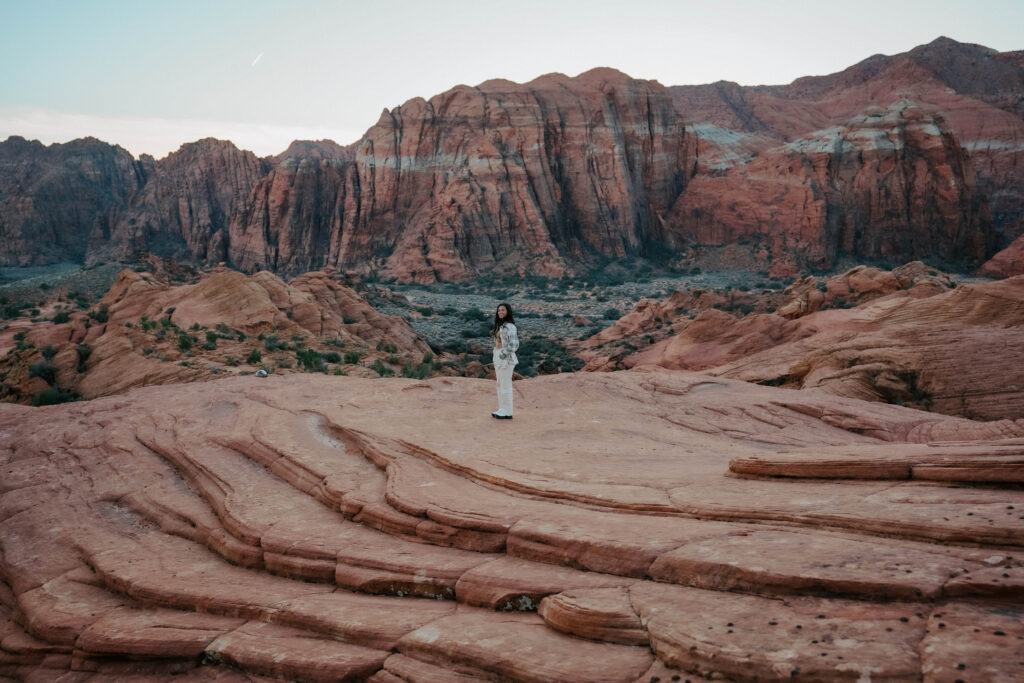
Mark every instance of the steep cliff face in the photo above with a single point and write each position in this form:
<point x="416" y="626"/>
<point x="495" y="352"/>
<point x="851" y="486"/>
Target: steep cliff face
<point x="53" y="199"/>
<point x="918" y="155"/>
<point x="503" y="176"/>
<point x="186" y="205"/>
<point x="973" y="94"/>
<point x="891" y="185"/>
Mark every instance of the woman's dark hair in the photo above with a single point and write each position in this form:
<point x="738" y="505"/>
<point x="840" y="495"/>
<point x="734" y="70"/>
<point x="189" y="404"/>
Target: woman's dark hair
<point x="498" y="321"/>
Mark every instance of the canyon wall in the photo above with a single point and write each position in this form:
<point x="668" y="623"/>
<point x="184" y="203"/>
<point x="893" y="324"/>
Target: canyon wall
<point x="917" y="155"/>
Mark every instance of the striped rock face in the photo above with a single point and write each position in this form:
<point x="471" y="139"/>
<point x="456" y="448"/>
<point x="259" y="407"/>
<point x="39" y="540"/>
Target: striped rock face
<point x="625" y="526"/>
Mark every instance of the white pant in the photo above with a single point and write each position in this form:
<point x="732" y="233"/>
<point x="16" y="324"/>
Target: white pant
<point x="503" y="372"/>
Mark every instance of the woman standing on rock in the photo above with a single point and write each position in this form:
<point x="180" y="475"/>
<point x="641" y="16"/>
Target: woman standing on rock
<point x="506" y="341"/>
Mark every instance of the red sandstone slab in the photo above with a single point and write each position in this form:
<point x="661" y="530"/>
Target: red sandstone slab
<point x="59" y="610"/>
<point x="367" y="620"/>
<point x="401" y="669"/>
<point x="520" y="647"/>
<point x="605" y="615"/>
<point x="983" y="642"/>
<point x="775" y="562"/>
<point x="172" y="572"/>
<point x="612" y="543"/>
<point x="154" y="633"/>
<point x="512" y="584"/>
<point x="750" y="637"/>
<point x="298" y="655"/>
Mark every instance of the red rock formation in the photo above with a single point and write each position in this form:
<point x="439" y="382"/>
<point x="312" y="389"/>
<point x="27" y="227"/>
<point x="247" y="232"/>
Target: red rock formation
<point x="971" y="91"/>
<point x="186" y="205"/>
<point x="890" y="185"/>
<point x="138" y="342"/>
<point x="55" y="199"/>
<point x="918" y="155"/>
<point x="1006" y="263"/>
<point x="328" y="528"/>
<point x="928" y="346"/>
<point x="501" y="176"/>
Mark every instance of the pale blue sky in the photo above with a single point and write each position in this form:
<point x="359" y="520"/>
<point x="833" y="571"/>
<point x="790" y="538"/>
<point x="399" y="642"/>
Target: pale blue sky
<point x="150" y="76"/>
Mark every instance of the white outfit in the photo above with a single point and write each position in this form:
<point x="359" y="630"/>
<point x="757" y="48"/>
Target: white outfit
<point x="504" y="364"/>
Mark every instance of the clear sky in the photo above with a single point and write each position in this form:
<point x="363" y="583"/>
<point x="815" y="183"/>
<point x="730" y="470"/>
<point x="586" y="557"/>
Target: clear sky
<point x="152" y="75"/>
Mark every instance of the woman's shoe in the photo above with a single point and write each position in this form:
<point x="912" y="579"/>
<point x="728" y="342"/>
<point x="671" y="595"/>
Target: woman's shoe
<point x="496" y="416"/>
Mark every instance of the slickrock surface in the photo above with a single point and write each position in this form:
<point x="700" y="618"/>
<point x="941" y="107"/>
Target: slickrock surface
<point x="915" y="341"/>
<point x="624" y="527"/>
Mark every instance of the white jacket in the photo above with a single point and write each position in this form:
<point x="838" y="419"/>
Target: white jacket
<point x="509" y="345"/>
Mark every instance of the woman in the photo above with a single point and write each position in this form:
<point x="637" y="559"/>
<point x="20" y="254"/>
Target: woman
<point x="506" y="341"/>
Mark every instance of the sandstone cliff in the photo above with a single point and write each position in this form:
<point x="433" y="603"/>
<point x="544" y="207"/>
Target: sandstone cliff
<point x="917" y="155"/>
<point x="55" y="200"/>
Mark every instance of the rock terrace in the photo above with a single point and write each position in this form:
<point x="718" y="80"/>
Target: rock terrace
<point x="627" y="526"/>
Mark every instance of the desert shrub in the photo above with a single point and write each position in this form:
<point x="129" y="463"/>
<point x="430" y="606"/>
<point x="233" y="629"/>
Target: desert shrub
<point x="240" y="336"/>
<point x="352" y="357"/>
<point x="232" y="361"/>
<point x="612" y="314"/>
<point x="53" y="396"/>
<point x="211" y="339"/>
<point x="284" y="364"/>
<point x="310" y="360"/>
<point x="428" y="358"/>
<point x="473" y="314"/>
<point x="272" y="343"/>
<point x="255" y="357"/>
<point x="48" y="352"/>
<point x="332" y="357"/>
<point x="61" y="317"/>
<point x="381" y="369"/>
<point x="417" y="371"/>
<point x="99" y="315"/>
<point x="185" y="342"/>
<point x="83" y="351"/>
<point x="44" y="371"/>
<point x="349" y="321"/>
<point x="426" y="311"/>
<point x="224" y="330"/>
<point x="12" y="311"/>
<point x="335" y="342"/>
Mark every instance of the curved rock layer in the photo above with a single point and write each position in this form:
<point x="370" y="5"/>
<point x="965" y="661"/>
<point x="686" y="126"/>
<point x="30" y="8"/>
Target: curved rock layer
<point x="318" y="528"/>
<point x="916" y="340"/>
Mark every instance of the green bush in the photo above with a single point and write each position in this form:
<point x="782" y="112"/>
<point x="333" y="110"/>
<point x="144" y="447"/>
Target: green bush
<point x="414" y="371"/>
<point x="352" y="357"/>
<point x="211" y="340"/>
<point x="44" y="371"/>
<point x="428" y="358"/>
<point x="48" y="352"/>
<point x="232" y="361"/>
<point x="381" y="369"/>
<point x="426" y="311"/>
<point x="612" y="314"/>
<point x="61" y="317"/>
<point x="83" y="351"/>
<point x="310" y="361"/>
<point x="255" y="357"/>
<point x="272" y="343"/>
<point x="185" y="342"/>
<point x="53" y="396"/>
<point x="99" y="315"/>
<point x="332" y="357"/>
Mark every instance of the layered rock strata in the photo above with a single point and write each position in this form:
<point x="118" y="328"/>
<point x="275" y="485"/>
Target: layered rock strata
<point x="318" y="528"/>
<point x="917" y="155"/>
